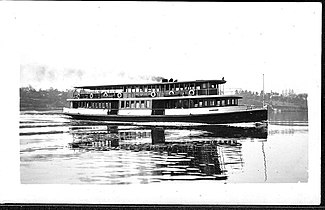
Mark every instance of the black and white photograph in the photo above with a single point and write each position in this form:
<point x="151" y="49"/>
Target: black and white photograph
<point x="207" y="103"/>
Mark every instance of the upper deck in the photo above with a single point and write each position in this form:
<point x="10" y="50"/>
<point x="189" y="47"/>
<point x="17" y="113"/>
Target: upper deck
<point x="166" y="88"/>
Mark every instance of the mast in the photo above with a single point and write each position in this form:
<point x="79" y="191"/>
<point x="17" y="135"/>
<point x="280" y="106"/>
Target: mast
<point x="263" y="90"/>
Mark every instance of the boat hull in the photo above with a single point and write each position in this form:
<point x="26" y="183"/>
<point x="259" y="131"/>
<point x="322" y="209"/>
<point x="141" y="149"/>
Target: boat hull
<point x="257" y="115"/>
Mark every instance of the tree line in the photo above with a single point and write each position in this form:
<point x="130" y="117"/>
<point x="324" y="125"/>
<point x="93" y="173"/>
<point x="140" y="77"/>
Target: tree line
<point x="49" y="99"/>
<point x="274" y="100"/>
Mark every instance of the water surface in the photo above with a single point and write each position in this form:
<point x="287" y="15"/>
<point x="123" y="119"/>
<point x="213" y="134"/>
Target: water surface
<point x="55" y="149"/>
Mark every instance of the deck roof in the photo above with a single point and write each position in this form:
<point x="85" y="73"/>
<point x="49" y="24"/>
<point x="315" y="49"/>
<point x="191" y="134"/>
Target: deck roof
<point x="153" y="83"/>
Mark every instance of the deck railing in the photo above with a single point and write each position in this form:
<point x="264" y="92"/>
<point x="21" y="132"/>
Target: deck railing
<point x="153" y="94"/>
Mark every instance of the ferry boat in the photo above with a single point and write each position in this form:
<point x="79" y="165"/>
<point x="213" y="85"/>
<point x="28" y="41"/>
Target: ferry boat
<point x="199" y="101"/>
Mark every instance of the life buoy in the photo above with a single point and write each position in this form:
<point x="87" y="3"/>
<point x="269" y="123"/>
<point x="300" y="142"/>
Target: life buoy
<point x="91" y="95"/>
<point x="191" y="92"/>
<point x="171" y="93"/>
<point x="153" y="94"/>
<point x="105" y="94"/>
<point x="120" y="95"/>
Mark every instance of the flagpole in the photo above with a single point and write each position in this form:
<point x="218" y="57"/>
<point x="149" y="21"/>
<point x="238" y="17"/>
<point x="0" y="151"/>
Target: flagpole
<point x="263" y="90"/>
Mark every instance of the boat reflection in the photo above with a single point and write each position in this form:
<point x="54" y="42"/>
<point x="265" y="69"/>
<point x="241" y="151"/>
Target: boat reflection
<point x="179" y="153"/>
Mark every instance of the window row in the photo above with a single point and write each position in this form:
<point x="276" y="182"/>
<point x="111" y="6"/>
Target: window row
<point x="195" y="103"/>
<point x="95" y="105"/>
<point x="135" y="104"/>
<point x="169" y="87"/>
<point x="146" y="104"/>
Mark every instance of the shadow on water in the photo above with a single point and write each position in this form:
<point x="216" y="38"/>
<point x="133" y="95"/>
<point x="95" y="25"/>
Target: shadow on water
<point x="179" y="153"/>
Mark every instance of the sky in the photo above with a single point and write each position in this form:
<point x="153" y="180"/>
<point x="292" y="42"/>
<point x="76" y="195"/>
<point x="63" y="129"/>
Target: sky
<point x="67" y="44"/>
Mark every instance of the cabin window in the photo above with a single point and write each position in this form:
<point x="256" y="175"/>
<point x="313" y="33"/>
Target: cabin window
<point x="185" y="104"/>
<point x="212" y="102"/>
<point x="200" y="103"/>
<point x="236" y="101"/>
<point x="191" y="103"/>
<point x="148" y="104"/>
<point x="196" y="103"/>
<point x="179" y="103"/>
<point x="127" y="104"/>
<point x="122" y="104"/>
<point x="137" y="104"/>
<point x="198" y="87"/>
<point x="204" y="85"/>
<point x="132" y="104"/>
<point x="145" y="88"/>
<point x="166" y="105"/>
<point x="205" y="102"/>
<point x="229" y="102"/>
<point x="181" y="87"/>
<point x="174" y="104"/>
<point x="99" y="105"/>
<point x="142" y="104"/>
<point x="222" y="102"/>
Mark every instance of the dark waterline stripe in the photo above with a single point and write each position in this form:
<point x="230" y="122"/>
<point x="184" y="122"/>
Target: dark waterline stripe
<point x="42" y="133"/>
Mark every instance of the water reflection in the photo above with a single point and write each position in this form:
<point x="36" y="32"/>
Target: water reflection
<point x="179" y="153"/>
<point x="291" y="118"/>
